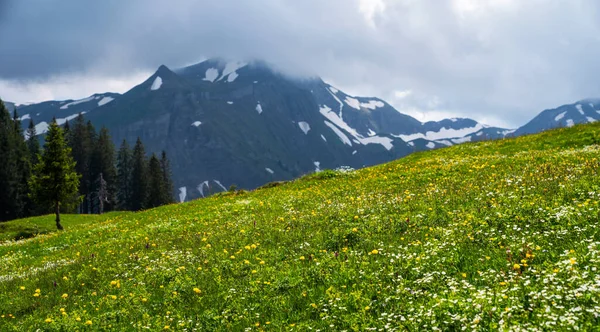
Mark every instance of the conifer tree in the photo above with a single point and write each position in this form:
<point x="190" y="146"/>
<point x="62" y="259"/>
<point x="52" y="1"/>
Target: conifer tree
<point x="33" y="144"/>
<point x="103" y="163"/>
<point x="55" y="181"/>
<point x="139" y="177"/>
<point x="156" y="184"/>
<point x="82" y="141"/>
<point x="124" y="181"/>
<point x="7" y="165"/>
<point x="165" y="166"/>
<point x="15" y="167"/>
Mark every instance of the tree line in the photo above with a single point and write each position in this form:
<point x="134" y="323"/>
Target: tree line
<point x="76" y="171"/>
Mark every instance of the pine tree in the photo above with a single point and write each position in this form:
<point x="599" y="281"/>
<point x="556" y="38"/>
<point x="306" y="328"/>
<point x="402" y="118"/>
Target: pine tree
<point x="156" y="184"/>
<point x="124" y="170"/>
<point x="81" y="140"/>
<point x="103" y="163"/>
<point x="67" y="132"/>
<point x="7" y="166"/>
<point x="167" y="190"/>
<point x="15" y="167"/>
<point x="55" y="181"/>
<point x="33" y="143"/>
<point x="139" y="177"/>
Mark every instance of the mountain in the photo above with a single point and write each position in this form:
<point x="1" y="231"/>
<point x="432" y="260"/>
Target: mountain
<point x="42" y="113"/>
<point x="234" y="123"/>
<point x="583" y="111"/>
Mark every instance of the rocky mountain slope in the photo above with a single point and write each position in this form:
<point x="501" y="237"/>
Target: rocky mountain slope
<point x="234" y="123"/>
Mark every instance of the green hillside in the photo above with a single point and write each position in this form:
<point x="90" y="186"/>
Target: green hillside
<point x="485" y="236"/>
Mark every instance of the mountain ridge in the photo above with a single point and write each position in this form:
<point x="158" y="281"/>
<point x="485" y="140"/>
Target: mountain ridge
<point x="242" y="123"/>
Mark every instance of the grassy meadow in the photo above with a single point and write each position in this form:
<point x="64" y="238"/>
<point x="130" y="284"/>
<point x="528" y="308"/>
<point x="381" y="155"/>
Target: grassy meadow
<point x="481" y="236"/>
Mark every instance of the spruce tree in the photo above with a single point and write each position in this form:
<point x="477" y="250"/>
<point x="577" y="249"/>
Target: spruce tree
<point x="139" y="177"/>
<point x="15" y="167"/>
<point x="167" y="190"/>
<point x="103" y="165"/>
<point x="124" y="170"/>
<point x="7" y="166"/>
<point x="156" y="184"/>
<point x="55" y="181"/>
<point x="81" y="142"/>
<point x="33" y="143"/>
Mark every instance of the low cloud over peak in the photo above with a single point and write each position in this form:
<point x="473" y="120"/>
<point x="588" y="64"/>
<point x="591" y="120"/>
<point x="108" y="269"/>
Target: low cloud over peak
<point x="498" y="60"/>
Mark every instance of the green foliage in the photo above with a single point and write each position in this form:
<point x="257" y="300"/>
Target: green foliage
<point x="499" y="235"/>
<point x="139" y="177"/>
<point x="15" y="167"/>
<point x="167" y="181"/>
<point x="103" y="164"/>
<point x="124" y="172"/>
<point x="55" y="182"/>
<point x="156" y="184"/>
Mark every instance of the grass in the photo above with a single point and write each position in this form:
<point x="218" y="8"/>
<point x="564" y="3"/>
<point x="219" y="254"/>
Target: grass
<point x="482" y="236"/>
<point x="31" y="227"/>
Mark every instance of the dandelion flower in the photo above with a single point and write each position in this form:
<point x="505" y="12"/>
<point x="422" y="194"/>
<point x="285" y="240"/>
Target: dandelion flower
<point x="197" y="290"/>
<point x="48" y="320"/>
<point x="65" y="295"/>
<point x="89" y="322"/>
<point x="517" y="266"/>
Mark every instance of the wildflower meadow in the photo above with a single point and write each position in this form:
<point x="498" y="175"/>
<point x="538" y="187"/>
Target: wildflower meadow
<point x="494" y="235"/>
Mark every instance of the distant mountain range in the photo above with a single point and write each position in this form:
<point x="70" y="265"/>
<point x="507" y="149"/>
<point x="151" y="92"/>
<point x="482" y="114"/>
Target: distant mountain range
<point x="225" y="123"/>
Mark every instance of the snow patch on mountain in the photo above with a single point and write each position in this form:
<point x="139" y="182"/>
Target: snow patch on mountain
<point x="334" y="90"/>
<point x="211" y="74"/>
<point x="461" y="140"/>
<point x="76" y="102"/>
<point x="326" y="111"/>
<point x="579" y="108"/>
<point x="220" y="185"/>
<point x="105" y="101"/>
<point x="269" y="170"/>
<point x="201" y="186"/>
<point x="443" y="133"/>
<point x="352" y="102"/>
<point x="430" y="145"/>
<point x="156" y="84"/>
<point x="338" y="132"/>
<point x="590" y="119"/>
<point x="232" y="77"/>
<point x="570" y="123"/>
<point x="196" y="123"/>
<point x="386" y="142"/>
<point x="230" y="70"/>
<point x="62" y="121"/>
<point x="230" y="102"/>
<point x="371" y="132"/>
<point x="560" y="116"/>
<point x="41" y="128"/>
<point x="317" y="166"/>
<point x="304" y="126"/>
<point x="24" y="117"/>
<point x="259" y="108"/>
<point x="373" y="104"/>
<point x="323" y="137"/>
<point x="182" y="194"/>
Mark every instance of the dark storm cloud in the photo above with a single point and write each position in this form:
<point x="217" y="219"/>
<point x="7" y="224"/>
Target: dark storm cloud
<point x="500" y="61"/>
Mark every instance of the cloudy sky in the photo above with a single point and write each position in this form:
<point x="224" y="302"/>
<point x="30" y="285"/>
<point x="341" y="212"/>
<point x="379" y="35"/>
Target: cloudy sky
<point x="497" y="61"/>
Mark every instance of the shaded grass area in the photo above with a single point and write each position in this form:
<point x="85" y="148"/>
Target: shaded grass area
<point x="30" y="227"/>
